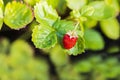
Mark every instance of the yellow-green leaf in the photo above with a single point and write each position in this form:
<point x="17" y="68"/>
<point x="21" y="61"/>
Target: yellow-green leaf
<point x="20" y="53"/>
<point x="44" y="36"/>
<point x="44" y="13"/>
<point x="1" y="13"/>
<point x="102" y="10"/>
<point x="17" y="15"/>
<point x="111" y="28"/>
<point x="93" y="40"/>
<point x="76" y="4"/>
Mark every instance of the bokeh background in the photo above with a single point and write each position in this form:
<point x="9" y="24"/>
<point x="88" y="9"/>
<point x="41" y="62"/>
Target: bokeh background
<point x="20" y="60"/>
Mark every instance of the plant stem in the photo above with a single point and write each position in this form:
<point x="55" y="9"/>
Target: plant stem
<point x="81" y="27"/>
<point x="74" y="30"/>
<point x="76" y="26"/>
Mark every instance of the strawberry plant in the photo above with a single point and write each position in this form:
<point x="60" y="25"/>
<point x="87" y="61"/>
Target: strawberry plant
<point x="60" y="30"/>
<point x="50" y="29"/>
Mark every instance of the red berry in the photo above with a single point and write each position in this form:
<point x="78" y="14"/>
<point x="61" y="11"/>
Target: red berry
<point x="69" y="41"/>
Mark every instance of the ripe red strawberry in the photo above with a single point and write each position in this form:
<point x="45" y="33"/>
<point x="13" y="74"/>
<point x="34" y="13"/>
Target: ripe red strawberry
<point x="69" y="40"/>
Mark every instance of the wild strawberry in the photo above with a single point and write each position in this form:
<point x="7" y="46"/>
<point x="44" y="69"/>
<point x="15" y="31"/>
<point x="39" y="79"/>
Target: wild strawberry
<point x="69" y="40"/>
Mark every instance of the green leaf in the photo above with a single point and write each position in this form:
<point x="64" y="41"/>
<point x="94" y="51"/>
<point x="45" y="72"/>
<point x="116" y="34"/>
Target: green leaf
<point x="113" y="67"/>
<point x="68" y="73"/>
<point x="53" y="3"/>
<point x="112" y="61"/>
<point x="38" y="68"/>
<point x="113" y="72"/>
<point x="38" y="65"/>
<point x="93" y="40"/>
<point x="17" y="15"/>
<point x="101" y="68"/>
<point x="6" y="1"/>
<point x="83" y="66"/>
<point x="44" y="13"/>
<point x="4" y="45"/>
<point x="75" y="14"/>
<point x="115" y="4"/>
<point x="20" y="53"/>
<point x="83" y="14"/>
<point x="31" y="2"/>
<point x="90" y="23"/>
<point x="94" y="60"/>
<point x="62" y="27"/>
<point x="1" y="13"/>
<point x="111" y="28"/>
<point x="44" y="36"/>
<point x="78" y="48"/>
<point x="102" y="10"/>
<point x="63" y="58"/>
<point x="21" y="74"/>
<point x="76" y="4"/>
<point x="1" y="4"/>
<point x="62" y="7"/>
<point x="21" y="47"/>
<point x="4" y="69"/>
<point x="87" y="11"/>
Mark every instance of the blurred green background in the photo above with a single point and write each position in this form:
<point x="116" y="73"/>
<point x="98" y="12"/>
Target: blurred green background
<point x="20" y="60"/>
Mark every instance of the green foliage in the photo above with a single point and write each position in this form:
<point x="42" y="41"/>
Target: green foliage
<point x="113" y="49"/>
<point x="4" y="69"/>
<point x="78" y="48"/>
<point x="17" y="15"/>
<point x="93" y="40"/>
<point x="1" y="13"/>
<point x="115" y="4"/>
<point x="53" y="3"/>
<point x="83" y="66"/>
<point x="1" y="4"/>
<point x="46" y="22"/>
<point x="20" y="74"/>
<point x="76" y="4"/>
<point x="109" y="68"/>
<point x="44" y="13"/>
<point x="94" y="67"/>
<point x="51" y="28"/>
<point x="44" y="36"/>
<point x="61" y="7"/>
<point x="87" y="11"/>
<point x="20" y="53"/>
<point x="83" y="13"/>
<point x="63" y="58"/>
<point x="21" y="47"/>
<point x="63" y="27"/>
<point x="98" y="68"/>
<point x="111" y="28"/>
<point x="31" y="2"/>
<point x="38" y="68"/>
<point x="68" y="73"/>
<point x="21" y="65"/>
<point x="102" y="10"/>
<point x="4" y="45"/>
<point x="90" y="23"/>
